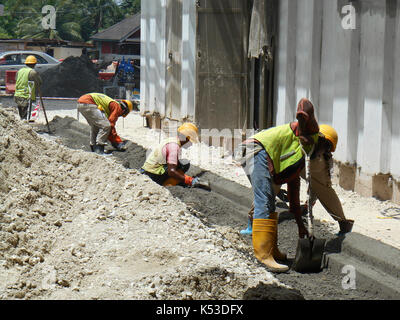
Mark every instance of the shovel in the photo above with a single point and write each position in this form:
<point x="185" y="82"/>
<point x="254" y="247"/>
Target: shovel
<point x="309" y="253"/>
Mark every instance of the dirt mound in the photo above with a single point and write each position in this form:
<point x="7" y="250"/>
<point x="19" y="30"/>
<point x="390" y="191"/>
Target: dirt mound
<point x="75" y="225"/>
<point x="72" y="78"/>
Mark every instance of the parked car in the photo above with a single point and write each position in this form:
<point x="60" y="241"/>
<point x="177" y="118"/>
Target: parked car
<point x="15" y="60"/>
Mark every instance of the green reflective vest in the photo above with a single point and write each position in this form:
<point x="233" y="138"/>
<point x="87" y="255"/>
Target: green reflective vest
<point x="282" y="146"/>
<point x="156" y="161"/>
<point x="21" y="85"/>
<point x="103" y="102"/>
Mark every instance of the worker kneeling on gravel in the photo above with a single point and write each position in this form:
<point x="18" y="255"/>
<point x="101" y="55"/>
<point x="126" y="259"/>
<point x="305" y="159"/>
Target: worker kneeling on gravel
<point x="271" y="158"/>
<point x="102" y="112"/>
<point x="321" y="165"/>
<point x="27" y="85"/>
<point x="164" y="166"/>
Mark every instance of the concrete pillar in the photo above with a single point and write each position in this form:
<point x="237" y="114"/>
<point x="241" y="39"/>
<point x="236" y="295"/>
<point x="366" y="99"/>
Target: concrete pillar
<point x="308" y="50"/>
<point x="395" y="143"/>
<point x="346" y="84"/>
<point x="377" y="61"/>
<point x="188" y="86"/>
<point x="286" y="62"/>
<point x="328" y="58"/>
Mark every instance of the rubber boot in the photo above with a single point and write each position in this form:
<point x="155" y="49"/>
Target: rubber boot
<point x="345" y="226"/>
<point x="264" y="235"/>
<point x="249" y="230"/>
<point x="92" y="148"/>
<point x="276" y="253"/>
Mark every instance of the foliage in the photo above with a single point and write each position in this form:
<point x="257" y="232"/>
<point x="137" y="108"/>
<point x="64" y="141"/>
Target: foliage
<point x="76" y="20"/>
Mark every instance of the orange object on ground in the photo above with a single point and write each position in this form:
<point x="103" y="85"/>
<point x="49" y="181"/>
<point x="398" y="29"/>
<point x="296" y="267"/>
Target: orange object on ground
<point x="171" y="182"/>
<point x="11" y="76"/>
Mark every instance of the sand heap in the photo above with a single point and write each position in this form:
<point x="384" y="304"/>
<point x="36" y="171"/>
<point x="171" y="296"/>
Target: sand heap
<point x="72" y="78"/>
<point x="75" y="225"/>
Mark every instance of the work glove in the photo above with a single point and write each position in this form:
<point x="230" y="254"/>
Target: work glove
<point x="195" y="182"/>
<point x="198" y="183"/>
<point x="120" y="146"/>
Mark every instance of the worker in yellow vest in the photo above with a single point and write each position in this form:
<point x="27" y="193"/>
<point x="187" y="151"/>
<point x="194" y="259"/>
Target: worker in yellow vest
<point x="27" y="86"/>
<point x="321" y="165"/>
<point x="102" y="112"/>
<point x="271" y="158"/>
<point x="164" y="165"/>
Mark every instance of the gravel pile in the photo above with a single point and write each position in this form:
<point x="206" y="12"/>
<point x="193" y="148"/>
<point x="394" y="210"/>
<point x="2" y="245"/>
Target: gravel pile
<point x="72" y="78"/>
<point x="75" y="225"/>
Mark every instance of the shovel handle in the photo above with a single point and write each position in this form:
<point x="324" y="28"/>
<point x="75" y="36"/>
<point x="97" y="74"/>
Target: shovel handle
<point x="310" y="218"/>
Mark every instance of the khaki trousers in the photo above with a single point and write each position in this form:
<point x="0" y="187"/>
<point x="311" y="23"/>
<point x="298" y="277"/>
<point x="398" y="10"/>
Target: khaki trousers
<point x="100" y="127"/>
<point x="321" y="188"/>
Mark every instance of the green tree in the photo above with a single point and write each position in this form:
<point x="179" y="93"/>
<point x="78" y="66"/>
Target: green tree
<point x="130" y="7"/>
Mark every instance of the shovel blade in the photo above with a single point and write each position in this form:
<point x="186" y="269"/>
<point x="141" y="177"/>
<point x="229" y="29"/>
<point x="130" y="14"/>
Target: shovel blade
<point x="309" y="255"/>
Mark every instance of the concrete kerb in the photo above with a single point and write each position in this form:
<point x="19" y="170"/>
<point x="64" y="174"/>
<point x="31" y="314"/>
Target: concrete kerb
<point x="376" y="265"/>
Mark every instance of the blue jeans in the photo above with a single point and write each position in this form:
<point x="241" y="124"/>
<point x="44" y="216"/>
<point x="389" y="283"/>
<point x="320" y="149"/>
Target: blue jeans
<point x="260" y="178"/>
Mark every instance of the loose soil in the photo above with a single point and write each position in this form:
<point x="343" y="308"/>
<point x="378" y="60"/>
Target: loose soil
<point x="119" y="235"/>
<point x="73" y="77"/>
<point x="75" y="225"/>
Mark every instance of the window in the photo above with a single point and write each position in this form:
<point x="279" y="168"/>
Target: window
<point x="40" y="60"/>
<point x="11" y="59"/>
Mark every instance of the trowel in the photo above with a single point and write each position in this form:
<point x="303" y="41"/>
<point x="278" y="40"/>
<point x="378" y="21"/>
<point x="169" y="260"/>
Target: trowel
<point x="309" y="253"/>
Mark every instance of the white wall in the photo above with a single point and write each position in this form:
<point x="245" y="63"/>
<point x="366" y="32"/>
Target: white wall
<point x="351" y="76"/>
<point x="153" y="57"/>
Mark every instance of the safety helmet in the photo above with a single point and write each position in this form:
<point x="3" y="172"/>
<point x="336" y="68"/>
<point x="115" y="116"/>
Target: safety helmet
<point x="189" y="130"/>
<point x="127" y="106"/>
<point x="31" y="60"/>
<point x="330" y="134"/>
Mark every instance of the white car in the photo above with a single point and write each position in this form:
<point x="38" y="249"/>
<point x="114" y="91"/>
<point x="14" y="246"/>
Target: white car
<point x="15" y="60"/>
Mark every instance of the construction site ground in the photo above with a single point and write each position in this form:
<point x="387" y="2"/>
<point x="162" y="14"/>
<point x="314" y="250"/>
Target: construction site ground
<point x="75" y="225"/>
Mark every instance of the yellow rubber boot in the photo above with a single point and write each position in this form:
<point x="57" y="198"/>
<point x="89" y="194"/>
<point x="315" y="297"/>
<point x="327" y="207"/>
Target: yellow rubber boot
<point x="264" y="231"/>
<point x="276" y="253"/>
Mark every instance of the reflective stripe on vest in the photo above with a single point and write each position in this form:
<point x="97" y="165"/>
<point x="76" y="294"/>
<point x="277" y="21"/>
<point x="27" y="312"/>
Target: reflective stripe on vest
<point x="103" y="102"/>
<point x="283" y="146"/>
<point x="156" y="161"/>
<point x="21" y="85"/>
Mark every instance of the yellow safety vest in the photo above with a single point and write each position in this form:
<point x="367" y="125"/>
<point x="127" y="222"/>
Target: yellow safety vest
<point x="21" y="85"/>
<point x="156" y="161"/>
<point x="103" y="102"/>
<point x="283" y="146"/>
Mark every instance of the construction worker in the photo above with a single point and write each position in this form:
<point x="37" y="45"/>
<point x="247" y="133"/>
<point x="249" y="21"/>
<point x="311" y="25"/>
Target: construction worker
<point x="270" y="159"/>
<point x="321" y="183"/>
<point x="102" y="113"/>
<point x="27" y="86"/>
<point x="164" y="166"/>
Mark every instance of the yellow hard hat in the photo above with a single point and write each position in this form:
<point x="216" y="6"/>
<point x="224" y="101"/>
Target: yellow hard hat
<point x="189" y="130"/>
<point x="330" y="134"/>
<point x="127" y="106"/>
<point x="31" y="60"/>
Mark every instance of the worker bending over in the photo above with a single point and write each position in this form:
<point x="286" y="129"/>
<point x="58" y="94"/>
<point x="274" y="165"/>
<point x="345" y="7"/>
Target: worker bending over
<point x="270" y="159"/>
<point x="102" y="112"/>
<point x="321" y="181"/>
<point x="164" y="166"/>
<point x="27" y="86"/>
